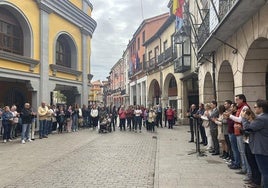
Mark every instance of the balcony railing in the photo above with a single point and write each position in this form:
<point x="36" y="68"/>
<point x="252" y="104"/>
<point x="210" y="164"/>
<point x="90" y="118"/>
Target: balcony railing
<point x="182" y="64"/>
<point x="168" y="55"/>
<point x="203" y="30"/>
<point x="151" y="64"/>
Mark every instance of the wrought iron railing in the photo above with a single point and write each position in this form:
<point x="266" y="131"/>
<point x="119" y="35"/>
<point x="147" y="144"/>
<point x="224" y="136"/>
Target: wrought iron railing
<point x="168" y="55"/>
<point x="203" y="30"/>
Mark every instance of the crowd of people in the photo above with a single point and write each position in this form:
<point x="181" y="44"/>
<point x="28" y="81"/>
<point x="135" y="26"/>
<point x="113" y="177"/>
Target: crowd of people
<point x="235" y="132"/>
<point x="63" y="118"/>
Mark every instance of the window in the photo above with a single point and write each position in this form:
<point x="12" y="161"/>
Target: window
<point x="63" y="52"/>
<point x="165" y="45"/>
<point x="139" y="43"/>
<point x="150" y="55"/>
<point x="11" y="37"/>
<point x="172" y="83"/>
<point x="143" y="36"/>
<point x="156" y="53"/>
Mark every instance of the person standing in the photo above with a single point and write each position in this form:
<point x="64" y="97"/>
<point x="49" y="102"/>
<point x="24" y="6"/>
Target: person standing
<point x="94" y="116"/>
<point x="7" y="118"/>
<point x="74" y="117"/>
<point x="151" y="120"/>
<point x="206" y="126"/>
<point x="137" y="118"/>
<point x="42" y="113"/>
<point x="190" y="114"/>
<point x="60" y="118"/>
<point x="26" y="118"/>
<point x="85" y="116"/>
<point x="170" y="117"/>
<point x="165" y="115"/>
<point x="68" y="116"/>
<point x="241" y="102"/>
<point x="214" y="128"/>
<point x="258" y="139"/>
<point x="33" y="126"/>
<point x="122" y="118"/>
<point x="129" y="116"/>
<point x="199" y="113"/>
<point x="13" y="131"/>
<point x="159" y="115"/>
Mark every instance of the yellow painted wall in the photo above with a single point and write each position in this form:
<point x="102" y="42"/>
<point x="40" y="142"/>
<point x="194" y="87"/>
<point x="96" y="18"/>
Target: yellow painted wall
<point x="14" y="66"/>
<point x="30" y="11"/>
<point x="58" y="25"/>
<point x="77" y="3"/>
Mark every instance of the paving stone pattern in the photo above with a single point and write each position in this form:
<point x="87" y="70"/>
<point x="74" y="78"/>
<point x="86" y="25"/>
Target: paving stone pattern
<point x="111" y="160"/>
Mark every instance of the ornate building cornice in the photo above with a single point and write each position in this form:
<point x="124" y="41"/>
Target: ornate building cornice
<point x="68" y="11"/>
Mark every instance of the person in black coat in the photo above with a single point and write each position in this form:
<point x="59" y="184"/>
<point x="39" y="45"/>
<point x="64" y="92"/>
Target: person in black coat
<point x="27" y="116"/>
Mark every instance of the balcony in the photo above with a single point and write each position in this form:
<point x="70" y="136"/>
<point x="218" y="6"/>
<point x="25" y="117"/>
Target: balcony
<point x="168" y="55"/>
<point x="232" y="15"/>
<point x="151" y="64"/>
<point x="182" y="64"/>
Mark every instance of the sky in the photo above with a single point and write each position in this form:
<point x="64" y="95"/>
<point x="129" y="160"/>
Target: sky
<point x="117" y="21"/>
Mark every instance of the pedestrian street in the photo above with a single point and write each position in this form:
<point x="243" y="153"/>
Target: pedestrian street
<point x="118" y="159"/>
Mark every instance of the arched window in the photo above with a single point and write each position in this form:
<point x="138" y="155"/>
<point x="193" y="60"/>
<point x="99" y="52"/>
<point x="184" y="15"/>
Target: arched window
<point x="172" y="82"/>
<point x="63" y="52"/>
<point x="11" y="37"/>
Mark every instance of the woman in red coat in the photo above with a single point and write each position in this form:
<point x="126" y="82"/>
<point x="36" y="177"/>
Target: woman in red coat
<point x="170" y="117"/>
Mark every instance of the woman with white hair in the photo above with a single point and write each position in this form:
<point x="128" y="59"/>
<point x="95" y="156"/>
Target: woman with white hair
<point x="13" y="133"/>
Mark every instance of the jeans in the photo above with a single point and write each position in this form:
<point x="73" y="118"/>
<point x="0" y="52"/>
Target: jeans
<point x="48" y="127"/>
<point x="6" y="130"/>
<point x="25" y="131"/>
<point x="241" y="148"/>
<point x="262" y="161"/>
<point x="122" y="124"/>
<point x="42" y="128"/>
<point x="75" y="123"/>
<point x="129" y="123"/>
<point x="137" y="121"/>
<point x="234" y="147"/>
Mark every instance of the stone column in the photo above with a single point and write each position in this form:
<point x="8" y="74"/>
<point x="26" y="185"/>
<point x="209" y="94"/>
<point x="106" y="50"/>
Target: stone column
<point x="85" y="69"/>
<point x="44" y="55"/>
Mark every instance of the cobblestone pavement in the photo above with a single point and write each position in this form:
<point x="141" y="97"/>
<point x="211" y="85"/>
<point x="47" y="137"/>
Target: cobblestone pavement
<point x="118" y="159"/>
<point x="124" y="159"/>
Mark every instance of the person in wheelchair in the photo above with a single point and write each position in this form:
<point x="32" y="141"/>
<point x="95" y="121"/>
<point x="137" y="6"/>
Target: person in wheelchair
<point x="104" y="121"/>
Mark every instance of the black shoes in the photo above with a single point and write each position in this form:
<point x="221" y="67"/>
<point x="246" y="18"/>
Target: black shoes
<point x="234" y="167"/>
<point x="191" y="141"/>
<point x="241" y="172"/>
<point x="215" y="153"/>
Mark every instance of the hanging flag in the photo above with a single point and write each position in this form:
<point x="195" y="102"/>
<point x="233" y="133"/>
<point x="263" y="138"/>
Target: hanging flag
<point x="133" y="59"/>
<point x="178" y="11"/>
<point x="175" y="6"/>
<point x="137" y="61"/>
